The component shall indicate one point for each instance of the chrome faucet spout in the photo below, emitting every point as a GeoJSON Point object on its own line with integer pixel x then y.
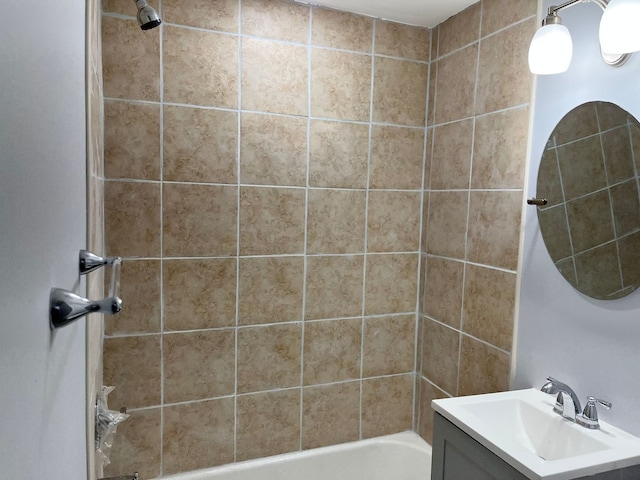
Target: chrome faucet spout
{"type": "Point", "coordinates": [565, 406]}
{"type": "Point", "coordinates": [565, 395]}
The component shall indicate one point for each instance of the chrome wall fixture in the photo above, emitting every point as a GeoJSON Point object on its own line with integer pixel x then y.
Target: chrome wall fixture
{"type": "Point", "coordinates": [537, 201]}
{"type": "Point", "coordinates": [148, 18]}
{"type": "Point", "coordinates": [65, 306]}
{"type": "Point", "coordinates": [552, 48]}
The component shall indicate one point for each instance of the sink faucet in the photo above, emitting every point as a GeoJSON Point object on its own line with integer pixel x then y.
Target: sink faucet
{"type": "Point", "coordinates": [566, 398]}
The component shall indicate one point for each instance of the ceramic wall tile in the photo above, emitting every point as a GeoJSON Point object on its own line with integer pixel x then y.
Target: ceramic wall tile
{"type": "Point", "coordinates": [387, 405]}
{"type": "Point", "coordinates": [268, 424]}
{"type": "Point", "coordinates": [130, 61]}
{"type": "Point", "coordinates": [197, 435]}
{"type": "Point", "coordinates": [330, 414]}
{"type": "Point", "coordinates": [340, 85]}
{"type": "Point", "coordinates": [404, 41]}
{"type": "Point", "coordinates": [342, 30]}
{"type": "Point", "coordinates": [273, 150]}
{"type": "Point", "coordinates": [332, 351]}
{"type": "Point", "coordinates": [220, 15]}
{"type": "Point", "coordinates": [270, 290]}
{"type": "Point", "coordinates": [274, 77]}
{"type": "Point", "coordinates": [200, 145]}
{"type": "Point", "coordinates": [200, 67]}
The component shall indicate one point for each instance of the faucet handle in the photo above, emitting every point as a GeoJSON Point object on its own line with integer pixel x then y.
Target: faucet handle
{"type": "Point", "coordinates": [589, 416]}
{"type": "Point", "coordinates": [604, 403]}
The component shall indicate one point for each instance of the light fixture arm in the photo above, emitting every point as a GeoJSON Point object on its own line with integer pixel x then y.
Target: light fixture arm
{"type": "Point", "coordinates": [554, 9]}
{"type": "Point", "coordinates": [553, 18]}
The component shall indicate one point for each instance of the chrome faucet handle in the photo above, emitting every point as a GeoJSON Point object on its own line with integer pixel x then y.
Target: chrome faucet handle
{"type": "Point", "coordinates": [589, 417]}
{"type": "Point", "coordinates": [66, 306]}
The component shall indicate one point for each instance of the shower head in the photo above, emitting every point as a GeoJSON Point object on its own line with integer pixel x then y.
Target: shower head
{"type": "Point", "coordinates": [148, 18]}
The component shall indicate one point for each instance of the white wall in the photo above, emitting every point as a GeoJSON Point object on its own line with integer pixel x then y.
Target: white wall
{"type": "Point", "coordinates": [593, 345]}
{"type": "Point", "coordinates": [42, 227]}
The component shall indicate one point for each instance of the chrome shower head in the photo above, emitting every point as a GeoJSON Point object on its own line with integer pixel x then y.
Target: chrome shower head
{"type": "Point", "coordinates": [148, 18]}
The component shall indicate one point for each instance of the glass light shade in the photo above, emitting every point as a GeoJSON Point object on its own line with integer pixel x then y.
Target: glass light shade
{"type": "Point", "coordinates": [620, 27]}
{"type": "Point", "coordinates": [551, 50]}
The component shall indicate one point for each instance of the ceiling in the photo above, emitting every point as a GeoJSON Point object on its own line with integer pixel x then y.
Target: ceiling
{"type": "Point", "coordinates": [426, 13]}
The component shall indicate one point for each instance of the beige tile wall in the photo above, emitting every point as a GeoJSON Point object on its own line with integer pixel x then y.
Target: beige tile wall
{"type": "Point", "coordinates": [264, 166]}
{"type": "Point", "coordinates": [478, 119]}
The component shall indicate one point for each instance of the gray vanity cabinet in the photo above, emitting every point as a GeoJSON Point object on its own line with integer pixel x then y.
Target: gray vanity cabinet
{"type": "Point", "coordinates": [457, 456]}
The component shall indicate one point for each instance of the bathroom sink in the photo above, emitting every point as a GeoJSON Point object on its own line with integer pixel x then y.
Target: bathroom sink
{"type": "Point", "coordinates": [521, 428]}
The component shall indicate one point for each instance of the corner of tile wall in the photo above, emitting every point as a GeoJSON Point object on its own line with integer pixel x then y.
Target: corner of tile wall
{"type": "Point", "coordinates": [478, 125]}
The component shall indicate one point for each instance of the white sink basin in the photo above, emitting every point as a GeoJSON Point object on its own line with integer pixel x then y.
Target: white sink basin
{"type": "Point", "coordinates": [522, 429]}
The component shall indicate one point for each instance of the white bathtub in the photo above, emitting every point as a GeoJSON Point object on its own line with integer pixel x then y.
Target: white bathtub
{"type": "Point", "coordinates": [402, 456]}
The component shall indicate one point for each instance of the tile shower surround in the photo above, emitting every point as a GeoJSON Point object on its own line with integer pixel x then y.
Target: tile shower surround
{"type": "Point", "coordinates": [478, 117]}
{"type": "Point", "coordinates": [264, 182]}
{"type": "Point", "coordinates": [464, 340]}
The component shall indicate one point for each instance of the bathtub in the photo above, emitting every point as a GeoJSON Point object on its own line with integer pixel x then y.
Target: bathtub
{"type": "Point", "coordinates": [402, 456]}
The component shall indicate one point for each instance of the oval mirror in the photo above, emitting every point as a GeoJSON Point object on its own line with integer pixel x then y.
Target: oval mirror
{"type": "Point", "coordinates": [591, 223]}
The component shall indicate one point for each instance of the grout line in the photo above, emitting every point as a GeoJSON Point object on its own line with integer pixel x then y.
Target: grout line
{"type": "Point", "coordinates": [580, 198]}
{"type": "Point", "coordinates": [282, 187]}
{"type": "Point", "coordinates": [488, 344]}
{"type": "Point", "coordinates": [306, 229]}
{"type": "Point", "coordinates": [466, 334]}
{"type": "Point", "coordinates": [590, 249]}
{"type": "Point", "coordinates": [430, 130]}
{"type": "Point", "coordinates": [466, 237]}
{"type": "Point", "coordinates": [366, 225]}
{"type": "Point", "coordinates": [277, 40]}
{"type": "Point", "coordinates": [293, 187]}
{"type": "Point", "coordinates": [257, 325]}
{"type": "Point", "coordinates": [475, 264]}
{"type": "Point", "coordinates": [417, 391]}
{"type": "Point", "coordinates": [436, 386]}
{"type": "Point", "coordinates": [238, 206]}
{"type": "Point", "coordinates": [564, 207]}
{"type": "Point", "coordinates": [261, 392]}
{"type": "Point", "coordinates": [478, 190]}
{"type": "Point", "coordinates": [481, 115]}
{"type": "Point", "coordinates": [299, 255]}
{"type": "Point", "coordinates": [480, 37]}
{"type": "Point", "coordinates": [283, 255]}
{"type": "Point", "coordinates": [271, 114]}
{"type": "Point", "coordinates": [593, 135]}
{"type": "Point", "coordinates": [610, 197]}
{"type": "Point", "coordinates": [122, 16]}
{"type": "Point", "coordinates": [162, 306]}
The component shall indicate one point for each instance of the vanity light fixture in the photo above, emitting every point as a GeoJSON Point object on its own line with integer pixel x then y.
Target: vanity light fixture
{"type": "Point", "coordinates": [551, 48]}
{"type": "Point", "coordinates": [619, 32]}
